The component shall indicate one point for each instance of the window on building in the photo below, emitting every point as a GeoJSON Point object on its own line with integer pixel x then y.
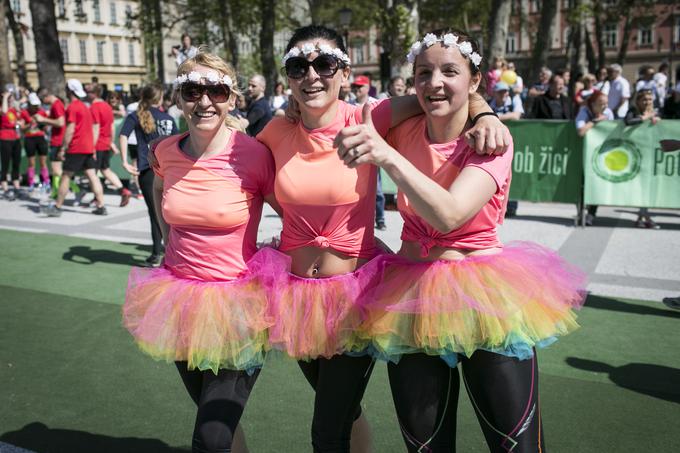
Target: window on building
{"type": "Point", "coordinates": [610, 35]}
{"type": "Point", "coordinates": [63, 43]}
{"type": "Point", "coordinates": [16, 6]}
{"type": "Point", "coordinates": [128, 16]}
{"type": "Point", "coordinates": [116, 53]}
{"type": "Point", "coordinates": [80, 12]}
{"type": "Point", "coordinates": [100, 52]}
{"type": "Point", "coordinates": [82, 44]}
{"type": "Point", "coordinates": [61, 8]}
{"type": "Point", "coordinates": [97, 11]}
{"type": "Point", "coordinates": [510, 43]}
{"type": "Point", "coordinates": [113, 13]}
{"type": "Point", "coordinates": [131, 53]}
{"type": "Point", "coordinates": [357, 46]}
{"type": "Point", "coordinates": [645, 35]}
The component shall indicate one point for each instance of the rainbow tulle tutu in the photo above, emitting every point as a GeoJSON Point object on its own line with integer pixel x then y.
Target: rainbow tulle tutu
{"type": "Point", "coordinates": [211, 325]}
{"type": "Point", "coordinates": [320, 317]}
{"type": "Point", "coordinates": [520, 298]}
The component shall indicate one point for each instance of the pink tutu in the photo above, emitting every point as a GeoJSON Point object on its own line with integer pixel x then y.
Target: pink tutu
{"type": "Point", "coordinates": [211, 325]}
{"type": "Point", "coordinates": [319, 317]}
{"type": "Point", "coordinates": [521, 296]}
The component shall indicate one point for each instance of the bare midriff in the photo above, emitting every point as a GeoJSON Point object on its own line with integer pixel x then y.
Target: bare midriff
{"type": "Point", "coordinates": [313, 262]}
{"type": "Point", "coordinates": [412, 250]}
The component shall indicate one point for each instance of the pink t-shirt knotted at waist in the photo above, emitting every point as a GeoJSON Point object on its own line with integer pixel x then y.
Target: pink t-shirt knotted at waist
{"type": "Point", "coordinates": [325, 204]}
{"type": "Point", "coordinates": [213, 206]}
{"type": "Point", "coordinates": [442, 163]}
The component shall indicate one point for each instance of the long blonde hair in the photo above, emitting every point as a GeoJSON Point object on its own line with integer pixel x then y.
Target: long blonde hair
{"type": "Point", "coordinates": [212, 61]}
{"type": "Point", "coordinates": [150, 95]}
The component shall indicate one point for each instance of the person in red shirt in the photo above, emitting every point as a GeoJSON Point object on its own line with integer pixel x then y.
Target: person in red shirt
{"type": "Point", "coordinates": [56, 119]}
{"type": "Point", "coordinates": [34, 139]}
{"type": "Point", "coordinates": [77, 150]}
{"type": "Point", "coordinates": [10, 145]}
{"type": "Point", "coordinates": [104, 130]}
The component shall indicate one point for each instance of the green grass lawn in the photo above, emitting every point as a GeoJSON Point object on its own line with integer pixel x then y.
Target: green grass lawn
{"type": "Point", "coordinates": [71, 379]}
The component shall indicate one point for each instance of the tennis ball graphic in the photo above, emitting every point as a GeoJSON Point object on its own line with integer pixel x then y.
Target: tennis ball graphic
{"type": "Point", "coordinates": [617, 160]}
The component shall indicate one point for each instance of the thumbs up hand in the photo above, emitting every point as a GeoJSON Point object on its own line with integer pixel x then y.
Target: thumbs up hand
{"type": "Point", "coordinates": [362, 144]}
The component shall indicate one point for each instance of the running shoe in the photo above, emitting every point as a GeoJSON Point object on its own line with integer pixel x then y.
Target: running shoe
{"type": "Point", "coordinates": [101, 210]}
{"type": "Point", "coordinates": [53, 211]}
{"type": "Point", "coordinates": [381, 226]}
{"type": "Point", "coordinates": [125, 195]}
{"type": "Point", "coordinates": [153, 261]}
{"type": "Point", "coordinates": [10, 196]}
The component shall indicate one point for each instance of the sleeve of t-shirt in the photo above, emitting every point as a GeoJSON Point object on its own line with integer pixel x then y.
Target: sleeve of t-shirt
{"type": "Point", "coordinates": [96, 115]}
{"type": "Point", "coordinates": [625, 90]}
{"type": "Point", "coordinates": [498, 167]}
{"type": "Point", "coordinates": [128, 126]}
{"type": "Point", "coordinates": [24, 115]}
{"type": "Point", "coordinates": [582, 117]}
{"type": "Point", "coordinates": [517, 105]}
{"type": "Point", "coordinates": [153, 147]}
{"type": "Point", "coordinates": [265, 170]}
{"type": "Point", "coordinates": [381, 113]}
{"type": "Point", "coordinates": [270, 132]}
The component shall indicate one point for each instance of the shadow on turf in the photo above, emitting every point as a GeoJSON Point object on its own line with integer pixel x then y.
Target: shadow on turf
{"type": "Point", "coordinates": [87, 255]}
{"type": "Point", "coordinates": [42, 439]}
{"type": "Point", "coordinates": [605, 303]}
{"type": "Point", "coordinates": [646, 378]}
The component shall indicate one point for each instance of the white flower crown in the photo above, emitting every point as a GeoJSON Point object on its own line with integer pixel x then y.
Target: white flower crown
{"type": "Point", "coordinates": [210, 76]}
{"type": "Point", "coordinates": [447, 40]}
{"type": "Point", "coordinates": [323, 49]}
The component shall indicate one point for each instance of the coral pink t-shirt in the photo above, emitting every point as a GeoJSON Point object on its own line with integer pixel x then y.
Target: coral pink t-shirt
{"type": "Point", "coordinates": [57, 111]}
{"type": "Point", "coordinates": [325, 204]}
{"type": "Point", "coordinates": [442, 163]}
{"type": "Point", "coordinates": [213, 206]}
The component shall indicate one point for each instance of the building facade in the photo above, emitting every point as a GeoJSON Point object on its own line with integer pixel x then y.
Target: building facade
{"type": "Point", "coordinates": [97, 40]}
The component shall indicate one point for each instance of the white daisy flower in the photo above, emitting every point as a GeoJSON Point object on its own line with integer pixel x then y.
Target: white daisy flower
{"type": "Point", "coordinates": [194, 76]}
{"type": "Point", "coordinates": [450, 39]}
{"type": "Point", "coordinates": [326, 49]}
{"type": "Point", "coordinates": [429, 40]}
{"type": "Point", "coordinates": [476, 58]}
{"type": "Point", "coordinates": [212, 77]}
{"type": "Point", "coordinates": [227, 81]}
{"type": "Point", "coordinates": [308, 48]}
{"type": "Point", "coordinates": [465, 48]}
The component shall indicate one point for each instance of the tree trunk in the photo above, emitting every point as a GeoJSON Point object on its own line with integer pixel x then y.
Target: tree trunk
{"type": "Point", "coordinates": [6, 75]}
{"type": "Point", "coordinates": [158, 33]}
{"type": "Point", "coordinates": [229, 36]}
{"type": "Point", "coordinates": [544, 37]}
{"type": "Point", "coordinates": [48, 57]}
{"type": "Point", "coordinates": [498, 28]}
{"type": "Point", "coordinates": [18, 44]}
{"type": "Point", "coordinates": [625, 39]}
{"type": "Point", "coordinates": [268, 14]}
{"type": "Point", "coordinates": [599, 40]}
{"type": "Point", "coordinates": [590, 54]}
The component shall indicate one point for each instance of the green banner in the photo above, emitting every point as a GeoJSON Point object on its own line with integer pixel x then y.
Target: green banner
{"type": "Point", "coordinates": [624, 165]}
{"type": "Point", "coordinates": [547, 165]}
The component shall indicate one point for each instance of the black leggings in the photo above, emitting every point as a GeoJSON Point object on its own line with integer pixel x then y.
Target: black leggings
{"type": "Point", "coordinates": [339, 383]}
{"type": "Point", "coordinates": [503, 391]}
{"type": "Point", "coordinates": [10, 150]}
{"type": "Point", "coordinates": [221, 400]}
{"type": "Point", "coordinates": [146, 185]}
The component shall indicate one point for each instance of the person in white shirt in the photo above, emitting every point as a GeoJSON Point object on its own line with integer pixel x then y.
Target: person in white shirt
{"type": "Point", "coordinates": [505, 106]}
{"type": "Point", "coordinates": [661, 79]}
{"type": "Point", "coordinates": [185, 51]}
{"type": "Point", "coordinates": [619, 91]}
{"type": "Point", "coordinates": [647, 83]}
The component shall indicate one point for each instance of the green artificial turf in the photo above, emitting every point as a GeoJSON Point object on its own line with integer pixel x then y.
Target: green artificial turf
{"type": "Point", "coordinates": [71, 379]}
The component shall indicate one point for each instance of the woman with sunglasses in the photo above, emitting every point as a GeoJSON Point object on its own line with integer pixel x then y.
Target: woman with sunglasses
{"type": "Point", "coordinates": [328, 213]}
{"type": "Point", "coordinates": [204, 308]}
{"type": "Point", "coordinates": [453, 293]}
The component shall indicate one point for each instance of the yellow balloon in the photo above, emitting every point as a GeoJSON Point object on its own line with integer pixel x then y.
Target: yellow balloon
{"type": "Point", "coordinates": [509, 77]}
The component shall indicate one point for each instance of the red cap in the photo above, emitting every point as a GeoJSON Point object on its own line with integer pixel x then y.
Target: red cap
{"type": "Point", "coordinates": [361, 80]}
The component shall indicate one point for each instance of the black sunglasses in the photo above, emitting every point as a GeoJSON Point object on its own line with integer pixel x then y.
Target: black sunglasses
{"type": "Point", "coordinates": [193, 92]}
{"type": "Point", "coordinates": [324, 65]}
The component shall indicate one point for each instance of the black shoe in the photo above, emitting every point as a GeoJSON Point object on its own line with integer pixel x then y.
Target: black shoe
{"type": "Point", "coordinates": [153, 261]}
{"type": "Point", "coordinates": [101, 210]}
{"type": "Point", "coordinates": [381, 226]}
{"type": "Point", "coordinates": [510, 213]}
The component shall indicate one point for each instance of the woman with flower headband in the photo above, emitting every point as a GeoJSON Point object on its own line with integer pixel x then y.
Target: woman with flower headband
{"type": "Point", "coordinates": [453, 293]}
{"type": "Point", "coordinates": [204, 308]}
{"type": "Point", "coordinates": [328, 213]}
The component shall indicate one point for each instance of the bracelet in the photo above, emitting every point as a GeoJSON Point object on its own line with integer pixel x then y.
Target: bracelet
{"type": "Point", "coordinates": [479, 115]}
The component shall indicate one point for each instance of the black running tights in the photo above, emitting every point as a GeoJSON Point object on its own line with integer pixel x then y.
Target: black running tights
{"type": "Point", "coordinates": [503, 391]}
{"type": "Point", "coordinates": [220, 399]}
{"type": "Point", "coordinates": [339, 383]}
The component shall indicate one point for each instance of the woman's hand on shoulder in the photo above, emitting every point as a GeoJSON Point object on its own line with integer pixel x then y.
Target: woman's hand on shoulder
{"type": "Point", "coordinates": [362, 144]}
{"type": "Point", "coordinates": [489, 136]}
